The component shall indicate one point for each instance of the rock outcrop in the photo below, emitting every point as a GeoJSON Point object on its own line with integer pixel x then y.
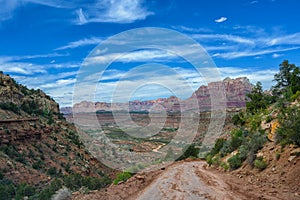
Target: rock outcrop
{"type": "Point", "coordinates": [235, 97]}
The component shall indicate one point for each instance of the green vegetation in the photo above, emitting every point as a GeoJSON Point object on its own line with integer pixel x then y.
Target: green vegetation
{"type": "Point", "coordinates": [190, 152]}
{"type": "Point", "coordinates": [122, 177]}
{"type": "Point", "coordinates": [245, 143]}
{"type": "Point", "coordinates": [260, 163]}
{"type": "Point", "coordinates": [9, 190]}
{"type": "Point", "coordinates": [235, 162]}
{"type": "Point", "coordinates": [289, 126]}
{"type": "Point", "coordinates": [258, 100]}
{"type": "Point", "coordinates": [288, 80]}
{"type": "Point", "coordinates": [248, 138]}
{"type": "Point", "coordinates": [10, 106]}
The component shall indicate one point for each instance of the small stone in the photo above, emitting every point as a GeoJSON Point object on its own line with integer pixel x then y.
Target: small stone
{"type": "Point", "coordinates": [295, 152]}
{"type": "Point", "coordinates": [140, 177]}
{"type": "Point", "coordinates": [291, 158]}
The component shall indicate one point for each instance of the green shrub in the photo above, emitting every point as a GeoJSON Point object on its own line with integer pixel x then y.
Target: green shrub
{"type": "Point", "coordinates": [38, 164]}
{"type": "Point", "coordinates": [260, 163]}
{"type": "Point", "coordinates": [10, 106]}
{"type": "Point", "coordinates": [289, 126]}
{"type": "Point", "coordinates": [235, 162]}
{"type": "Point", "coordinates": [218, 146]}
{"type": "Point", "coordinates": [24, 190]}
{"type": "Point", "coordinates": [224, 166]}
{"type": "Point", "coordinates": [226, 149]}
{"type": "Point", "coordinates": [122, 177]}
{"type": "Point", "coordinates": [236, 138]}
{"type": "Point", "coordinates": [295, 96]}
{"type": "Point", "coordinates": [238, 119]}
{"type": "Point", "coordinates": [216, 160]}
{"type": "Point", "coordinates": [76, 181]}
{"type": "Point", "coordinates": [243, 152]}
{"type": "Point", "coordinates": [255, 143]}
{"type": "Point", "coordinates": [191, 151]}
{"type": "Point", "coordinates": [52, 171]}
{"type": "Point", "coordinates": [208, 159]}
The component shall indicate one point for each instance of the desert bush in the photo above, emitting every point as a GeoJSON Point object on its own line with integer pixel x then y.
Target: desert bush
{"type": "Point", "coordinates": [260, 163]}
{"type": "Point", "coordinates": [289, 126]}
{"type": "Point", "coordinates": [191, 151]}
{"type": "Point", "coordinates": [255, 143]}
{"type": "Point", "coordinates": [208, 159]}
{"type": "Point", "coordinates": [224, 166]}
{"type": "Point", "coordinates": [10, 106]}
{"type": "Point", "coordinates": [235, 162]}
{"type": "Point", "coordinates": [238, 119]}
{"type": "Point", "coordinates": [38, 164]}
{"type": "Point", "coordinates": [122, 177]}
{"type": "Point", "coordinates": [52, 171]}
{"type": "Point", "coordinates": [218, 146]}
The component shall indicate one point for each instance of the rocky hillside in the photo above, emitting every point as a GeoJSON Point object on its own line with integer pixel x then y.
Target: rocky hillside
{"type": "Point", "coordinates": [39, 150]}
{"type": "Point", "coordinates": [235, 89]}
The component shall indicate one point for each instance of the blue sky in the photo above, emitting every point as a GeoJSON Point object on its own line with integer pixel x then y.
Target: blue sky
{"type": "Point", "coordinates": [44, 42]}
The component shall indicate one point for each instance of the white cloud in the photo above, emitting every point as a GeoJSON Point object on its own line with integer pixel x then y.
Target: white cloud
{"type": "Point", "coordinates": [265, 76]}
{"type": "Point", "coordinates": [81, 19]}
{"type": "Point", "coordinates": [7, 8]}
{"type": "Point", "coordinates": [22, 68]}
{"type": "Point", "coordinates": [253, 52]}
{"type": "Point", "coordinates": [113, 11]}
{"type": "Point", "coordinates": [223, 37]}
{"type": "Point", "coordinates": [59, 83]}
{"type": "Point", "coordinates": [136, 56]}
{"type": "Point", "coordinates": [27, 57]}
{"type": "Point", "coordinates": [284, 40]}
{"type": "Point", "coordinates": [190, 29]}
{"type": "Point", "coordinates": [80, 43]}
{"type": "Point", "coordinates": [51, 3]}
{"type": "Point", "coordinates": [253, 2]}
{"type": "Point", "coordinates": [220, 20]}
{"type": "Point", "coordinates": [276, 55]}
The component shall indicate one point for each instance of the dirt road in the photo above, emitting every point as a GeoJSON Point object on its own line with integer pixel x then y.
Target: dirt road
{"type": "Point", "coordinates": [182, 181]}
{"type": "Point", "coordinates": [191, 181]}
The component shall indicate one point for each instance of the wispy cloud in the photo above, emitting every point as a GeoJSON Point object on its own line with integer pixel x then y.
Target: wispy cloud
{"type": "Point", "coordinates": [192, 29]}
{"type": "Point", "coordinates": [136, 56]}
{"type": "Point", "coordinates": [253, 52]}
{"type": "Point", "coordinates": [254, 2]}
{"type": "Point", "coordinates": [284, 40]}
{"type": "Point", "coordinates": [220, 20]}
{"type": "Point", "coordinates": [223, 37]}
{"type": "Point", "coordinates": [22, 68]}
{"type": "Point", "coordinates": [59, 83]}
{"type": "Point", "coordinates": [247, 41]}
{"type": "Point", "coordinates": [27, 57]}
{"type": "Point", "coordinates": [80, 43]}
{"type": "Point", "coordinates": [113, 11]}
{"type": "Point", "coordinates": [8, 8]}
{"type": "Point", "coordinates": [110, 11]}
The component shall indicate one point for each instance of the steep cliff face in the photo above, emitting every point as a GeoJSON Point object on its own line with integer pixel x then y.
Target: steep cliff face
{"type": "Point", "coordinates": [235, 92]}
{"type": "Point", "coordinates": [235, 97]}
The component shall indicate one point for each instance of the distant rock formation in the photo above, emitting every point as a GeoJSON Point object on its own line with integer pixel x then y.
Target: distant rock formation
{"type": "Point", "coordinates": [235, 97]}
